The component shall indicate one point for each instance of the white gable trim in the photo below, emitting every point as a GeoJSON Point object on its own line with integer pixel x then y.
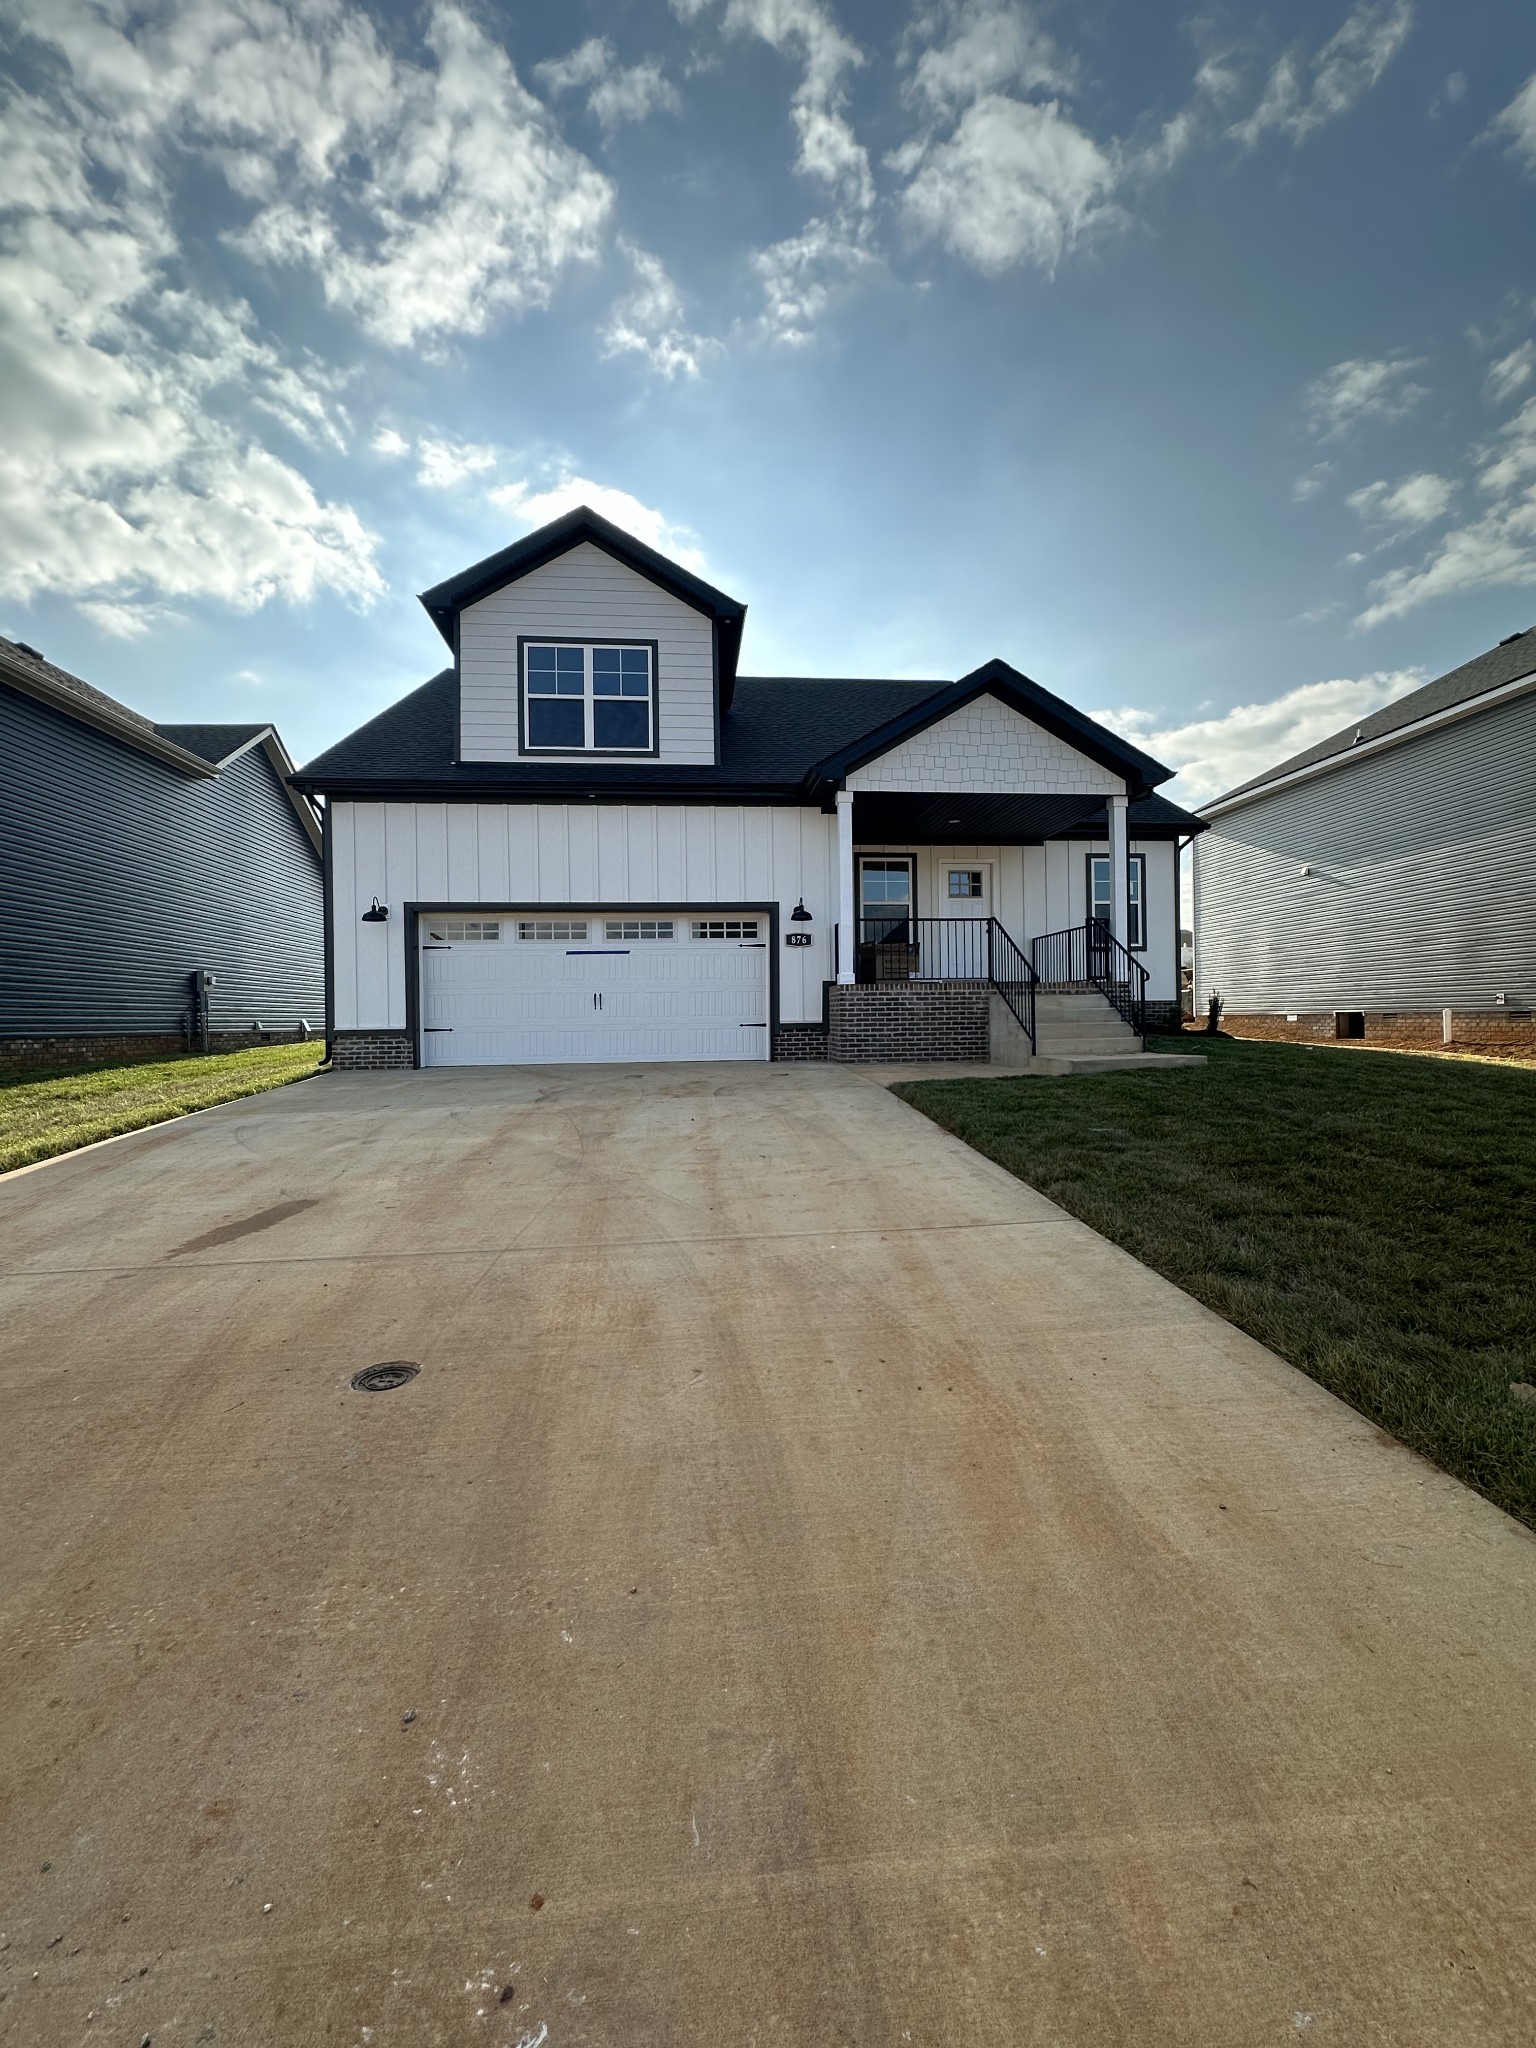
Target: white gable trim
{"type": "Point", "coordinates": [985, 747]}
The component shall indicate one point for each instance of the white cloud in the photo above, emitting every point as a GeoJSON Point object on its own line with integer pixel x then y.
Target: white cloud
{"type": "Point", "coordinates": [829, 151]}
{"type": "Point", "coordinates": [444, 465]}
{"type": "Point", "coordinates": [1017, 182]}
{"type": "Point", "coordinates": [618, 93]}
{"type": "Point", "coordinates": [801, 275]}
{"type": "Point", "coordinates": [424, 198]}
{"type": "Point", "coordinates": [1413, 502]}
{"type": "Point", "coordinates": [1517, 123]}
{"type": "Point", "coordinates": [129, 466]}
{"type": "Point", "coordinates": [1302, 93]}
{"type": "Point", "coordinates": [389, 442]}
{"type": "Point", "coordinates": [1497, 548]}
{"type": "Point", "coordinates": [1511, 373]}
{"type": "Point", "coordinates": [648, 321]}
{"type": "Point", "coordinates": [535, 505]}
{"type": "Point", "coordinates": [1308, 485]}
{"type": "Point", "coordinates": [1213, 755]}
{"type": "Point", "coordinates": [1361, 389]}
{"type": "Point", "coordinates": [990, 43]}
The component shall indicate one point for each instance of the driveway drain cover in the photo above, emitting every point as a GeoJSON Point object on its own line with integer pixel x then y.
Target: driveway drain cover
{"type": "Point", "coordinates": [381, 1379]}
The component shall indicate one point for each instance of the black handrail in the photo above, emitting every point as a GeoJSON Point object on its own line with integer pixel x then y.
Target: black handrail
{"type": "Point", "coordinates": [895, 947]}
{"type": "Point", "coordinates": [1090, 956]}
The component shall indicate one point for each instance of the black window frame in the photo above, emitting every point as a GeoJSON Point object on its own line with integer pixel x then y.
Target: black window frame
{"type": "Point", "coordinates": [586, 753]}
{"type": "Point", "coordinates": [1139, 907]}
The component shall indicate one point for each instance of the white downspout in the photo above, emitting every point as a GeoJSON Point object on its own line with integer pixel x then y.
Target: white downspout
{"type": "Point", "coordinates": [847, 937]}
{"type": "Point", "coordinates": [1119, 870]}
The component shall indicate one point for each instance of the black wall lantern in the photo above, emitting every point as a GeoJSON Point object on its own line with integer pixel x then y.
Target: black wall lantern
{"type": "Point", "coordinates": [379, 914]}
{"type": "Point", "coordinates": [800, 915]}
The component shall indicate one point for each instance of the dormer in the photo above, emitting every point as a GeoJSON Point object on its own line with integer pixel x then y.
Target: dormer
{"type": "Point", "coordinates": [582, 644]}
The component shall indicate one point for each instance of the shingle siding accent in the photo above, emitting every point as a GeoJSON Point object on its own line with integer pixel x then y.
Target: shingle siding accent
{"type": "Point", "coordinates": [356, 1051]}
{"type": "Point", "coordinates": [913, 1021]}
{"type": "Point", "coordinates": [986, 748]}
{"type": "Point", "coordinates": [585, 595]}
{"type": "Point", "coordinates": [123, 874]}
{"type": "Point", "coordinates": [1422, 892]}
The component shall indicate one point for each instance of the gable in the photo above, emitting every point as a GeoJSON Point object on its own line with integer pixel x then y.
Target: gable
{"type": "Point", "coordinates": [986, 747]}
{"type": "Point", "coordinates": [585, 594]}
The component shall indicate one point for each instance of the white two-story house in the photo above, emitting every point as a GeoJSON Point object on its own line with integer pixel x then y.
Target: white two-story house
{"type": "Point", "coordinates": [590, 839]}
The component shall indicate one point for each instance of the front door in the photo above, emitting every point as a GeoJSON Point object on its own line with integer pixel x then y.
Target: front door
{"type": "Point", "coordinates": [965, 889]}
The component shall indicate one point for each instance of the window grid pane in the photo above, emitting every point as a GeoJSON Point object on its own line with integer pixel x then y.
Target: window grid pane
{"type": "Point", "coordinates": [621, 719]}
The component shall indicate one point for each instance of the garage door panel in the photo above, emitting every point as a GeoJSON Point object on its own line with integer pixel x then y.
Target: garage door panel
{"type": "Point", "coordinates": [502, 998]}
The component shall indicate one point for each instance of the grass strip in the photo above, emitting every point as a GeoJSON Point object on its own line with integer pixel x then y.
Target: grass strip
{"type": "Point", "coordinates": [42, 1115]}
{"type": "Point", "coordinates": [1370, 1218]}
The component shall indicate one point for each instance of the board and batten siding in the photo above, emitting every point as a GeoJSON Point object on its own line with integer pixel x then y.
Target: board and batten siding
{"type": "Point", "coordinates": [986, 747]}
{"type": "Point", "coordinates": [1422, 893]}
{"type": "Point", "coordinates": [516, 856]}
{"type": "Point", "coordinates": [585, 594]}
{"type": "Point", "coordinates": [123, 875]}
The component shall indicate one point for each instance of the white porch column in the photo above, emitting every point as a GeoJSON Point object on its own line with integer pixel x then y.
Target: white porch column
{"type": "Point", "coordinates": [1119, 871]}
{"type": "Point", "coordinates": [847, 937]}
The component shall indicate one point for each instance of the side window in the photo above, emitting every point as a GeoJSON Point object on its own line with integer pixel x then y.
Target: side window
{"type": "Point", "coordinates": [588, 697]}
{"type": "Point", "coordinates": [1098, 895]}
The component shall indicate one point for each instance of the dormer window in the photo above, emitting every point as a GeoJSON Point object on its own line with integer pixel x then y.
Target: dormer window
{"type": "Point", "coordinates": [589, 697]}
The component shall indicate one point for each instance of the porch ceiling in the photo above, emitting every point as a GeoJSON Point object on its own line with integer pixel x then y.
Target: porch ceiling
{"type": "Point", "coordinates": [936, 820]}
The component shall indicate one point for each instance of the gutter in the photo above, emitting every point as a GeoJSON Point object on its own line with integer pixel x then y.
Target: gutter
{"type": "Point", "coordinates": [1452, 715]}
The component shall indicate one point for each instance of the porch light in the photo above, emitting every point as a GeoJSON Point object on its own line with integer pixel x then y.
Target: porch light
{"type": "Point", "coordinates": [379, 914]}
{"type": "Point", "coordinates": [800, 915]}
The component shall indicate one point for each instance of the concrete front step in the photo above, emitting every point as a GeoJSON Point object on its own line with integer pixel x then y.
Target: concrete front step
{"type": "Point", "coordinates": [1096, 1031]}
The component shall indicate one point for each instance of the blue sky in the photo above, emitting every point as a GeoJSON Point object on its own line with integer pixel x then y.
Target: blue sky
{"type": "Point", "coordinates": [1186, 361]}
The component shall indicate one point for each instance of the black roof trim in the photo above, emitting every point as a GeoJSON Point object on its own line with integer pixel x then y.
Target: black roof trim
{"type": "Point", "coordinates": [997, 678]}
{"type": "Point", "coordinates": [444, 600]}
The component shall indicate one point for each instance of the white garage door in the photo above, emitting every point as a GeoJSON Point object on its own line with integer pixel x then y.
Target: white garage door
{"type": "Point", "coordinates": [523, 989]}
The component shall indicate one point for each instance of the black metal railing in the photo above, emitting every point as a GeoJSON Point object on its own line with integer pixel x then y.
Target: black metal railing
{"type": "Point", "coordinates": [895, 947]}
{"type": "Point", "coordinates": [1090, 956]}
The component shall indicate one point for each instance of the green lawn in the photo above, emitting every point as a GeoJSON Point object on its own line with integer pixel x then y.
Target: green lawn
{"type": "Point", "coordinates": [41, 1116]}
{"type": "Point", "coordinates": [1369, 1216]}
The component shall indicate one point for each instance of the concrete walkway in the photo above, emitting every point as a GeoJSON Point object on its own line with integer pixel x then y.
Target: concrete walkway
{"type": "Point", "coordinates": [814, 1592]}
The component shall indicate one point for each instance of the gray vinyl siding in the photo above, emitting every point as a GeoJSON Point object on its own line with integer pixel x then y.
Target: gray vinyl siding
{"type": "Point", "coordinates": [1423, 890]}
{"type": "Point", "coordinates": [121, 875]}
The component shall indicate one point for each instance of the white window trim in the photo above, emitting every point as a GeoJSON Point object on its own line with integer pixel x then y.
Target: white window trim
{"type": "Point", "coordinates": [1137, 905]}
{"type": "Point", "coordinates": [587, 750]}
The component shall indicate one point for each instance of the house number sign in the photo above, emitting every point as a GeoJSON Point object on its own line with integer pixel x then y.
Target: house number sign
{"type": "Point", "coordinates": [797, 938]}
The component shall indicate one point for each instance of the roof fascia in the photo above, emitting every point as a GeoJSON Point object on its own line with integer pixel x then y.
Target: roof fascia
{"type": "Point", "coordinates": [427, 789]}
{"type": "Point", "coordinates": [1452, 714]}
{"type": "Point", "coordinates": [1020, 694]}
{"type": "Point", "coordinates": [282, 763]}
{"type": "Point", "coordinates": [446, 599]}
{"type": "Point", "coordinates": [22, 675]}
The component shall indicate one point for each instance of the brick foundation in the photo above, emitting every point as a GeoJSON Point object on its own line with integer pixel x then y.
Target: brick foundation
{"type": "Point", "coordinates": [800, 1042]}
{"type": "Point", "coordinates": [360, 1051]}
{"type": "Point", "coordinates": [908, 1021]}
{"type": "Point", "coordinates": [1471, 1030]}
{"type": "Point", "coordinates": [1164, 1017]}
{"type": "Point", "coordinates": [48, 1055]}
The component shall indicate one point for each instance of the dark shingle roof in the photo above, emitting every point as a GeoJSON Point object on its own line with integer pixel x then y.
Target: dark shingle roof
{"type": "Point", "coordinates": [776, 730]}
{"type": "Point", "coordinates": [1511, 660]}
{"type": "Point", "coordinates": [213, 743]}
{"type": "Point", "coordinates": [85, 694]}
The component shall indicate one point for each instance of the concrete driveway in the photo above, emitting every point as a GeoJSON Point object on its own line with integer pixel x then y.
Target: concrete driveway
{"type": "Point", "coordinates": [814, 1592]}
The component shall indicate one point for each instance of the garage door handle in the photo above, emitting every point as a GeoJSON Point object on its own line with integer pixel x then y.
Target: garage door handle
{"type": "Point", "coordinates": [437, 1027]}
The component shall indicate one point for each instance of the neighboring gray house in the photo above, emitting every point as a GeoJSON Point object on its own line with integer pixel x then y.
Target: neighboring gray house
{"type": "Point", "coordinates": [589, 839]}
{"type": "Point", "coordinates": [137, 859]}
{"type": "Point", "coordinates": [1384, 878]}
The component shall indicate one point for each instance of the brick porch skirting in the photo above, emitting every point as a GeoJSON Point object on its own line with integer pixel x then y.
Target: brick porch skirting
{"type": "Point", "coordinates": [800, 1042]}
{"type": "Point", "coordinates": [355, 1051]}
{"type": "Point", "coordinates": [939, 1020]}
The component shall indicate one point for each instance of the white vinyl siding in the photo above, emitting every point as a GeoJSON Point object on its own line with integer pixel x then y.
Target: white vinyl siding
{"type": "Point", "coordinates": [987, 748]}
{"type": "Point", "coordinates": [1422, 893]}
{"type": "Point", "coordinates": [599, 855]}
{"type": "Point", "coordinates": [585, 595]}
